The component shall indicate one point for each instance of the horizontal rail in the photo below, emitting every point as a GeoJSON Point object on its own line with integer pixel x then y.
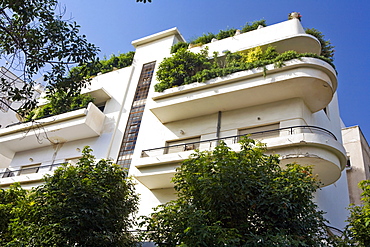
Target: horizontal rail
{"type": "Point", "coordinates": [30, 170]}
{"type": "Point", "coordinates": [234, 139]}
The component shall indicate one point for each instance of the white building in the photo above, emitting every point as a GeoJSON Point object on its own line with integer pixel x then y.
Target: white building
{"type": "Point", "coordinates": [294, 109]}
{"type": "Point", "coordinates": [358, 165]}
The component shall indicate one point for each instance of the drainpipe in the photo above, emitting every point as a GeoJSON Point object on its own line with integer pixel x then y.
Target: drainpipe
{"type": "Point", "coordinates": [218, 127]}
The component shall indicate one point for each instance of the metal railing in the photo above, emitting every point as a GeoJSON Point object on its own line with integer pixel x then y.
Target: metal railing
{"type": "Point", "coordinates": [30, 170]}
{"type": "Point", "coordinates": [209, 144]}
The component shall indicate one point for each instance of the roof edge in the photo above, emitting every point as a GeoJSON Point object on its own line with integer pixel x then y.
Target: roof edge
{"type": "Point", "coordinates": [160, 35]}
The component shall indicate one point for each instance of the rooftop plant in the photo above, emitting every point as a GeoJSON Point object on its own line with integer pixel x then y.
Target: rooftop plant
{"type": "Point", "coordinates": [178, 69]}
{"type": "Point", "coordinates": [59, 103]}
{"type": "Point", "coordinates": [327, 50]}
{"type": "Point", "coordinates": [186, 67]}
{"type": "Point", "coordinates": [222, 34]}
{"type": "Point", "coordinates": [62, 101]}
{"type": "Point", "coordinates": [105, 65]}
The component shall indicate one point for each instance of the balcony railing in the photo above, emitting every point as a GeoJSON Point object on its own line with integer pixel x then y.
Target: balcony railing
{"type": "Point", "coordinates": [31, 170]}
{"type": "Point", "coordinates": [209, 144]}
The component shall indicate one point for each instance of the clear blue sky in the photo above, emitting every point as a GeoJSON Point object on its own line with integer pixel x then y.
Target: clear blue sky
{"type": "Point", "coordinates": [113, 24]}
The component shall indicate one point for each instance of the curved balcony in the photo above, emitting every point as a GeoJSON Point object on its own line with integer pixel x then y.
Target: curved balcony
{"type": "Point", "coordinates": [285, 36]}
{"type": "Point", "coordinates": [310, 79]}
{"type": "Point", "coordinates": [70, 126]}
{"type": "Point", "coordinates": [305, 145]}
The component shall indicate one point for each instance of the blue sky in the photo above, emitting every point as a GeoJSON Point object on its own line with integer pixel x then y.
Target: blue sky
{"type": "Point", "coordinates": [113, 24]}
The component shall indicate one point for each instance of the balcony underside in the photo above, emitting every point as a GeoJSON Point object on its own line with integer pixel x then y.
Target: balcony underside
{"type": "Point", "coordinates": [322, 152]}
{"type": "Point", "coordinates": [310, 79]}
{"type": "Point", "coordinates": [70, 126]}
{"type": "Point", "coordinates": [157, 180]}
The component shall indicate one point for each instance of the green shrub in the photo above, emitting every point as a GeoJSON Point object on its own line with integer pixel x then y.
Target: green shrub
{"type": "Point", "coordinates": [253, 26]}
{"type": "Point", "coordinates": [327, 50]}
{"type": "Point", "coordinates": [178, 46]}
{"type": "Point", "coordinates": [222, 34]}
{"type": "Point", "coordinates": [204, 39]}
{"type": "Point", "coordinates": [183, 64]}
{"type": "Point", "coordinates": [270, 53]}
{"type": "Point", "coordinates": [226, 33]}
{"type": "Point", "coordinates": [185, 67]}
{"type": "Point", "coordinates": [59, 103]}
{"type": "Point", "coordinates": [105, 65]}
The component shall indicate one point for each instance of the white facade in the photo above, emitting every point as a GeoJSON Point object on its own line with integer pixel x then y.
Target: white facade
{"type": "Point", "coordinates": [358, 166]}
{"type": "Point", "coordinates": [295, 107]}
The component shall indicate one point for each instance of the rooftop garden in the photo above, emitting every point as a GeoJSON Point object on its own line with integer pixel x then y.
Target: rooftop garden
{"type": "Point", "coordinates": [64, 101]}
{"type": "Point", "coordinates": [185, 67]}
{"type": "Point", "coordinates": [105, 65]}
{"type": "Point", "coordinates": [222, 34]}
{"type": "Point", "coordinates": [59, 103]}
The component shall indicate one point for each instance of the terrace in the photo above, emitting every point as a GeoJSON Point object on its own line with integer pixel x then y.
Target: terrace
{"type": "Point", "coordinates": [75, 125]}
{"type": "Point", "coordinates": [306, 145]}
{"type": "Point", "coordinates": [26, 174]}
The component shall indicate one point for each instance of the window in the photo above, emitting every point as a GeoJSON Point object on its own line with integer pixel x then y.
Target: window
{"type": "Point", "coordinates": [29, 169]}
{"type": "Point", "coordinates": [182, 145]}
{"type": "Point", "coordinates": [348, 165]}
{"type": "Point", "coordinates": [101, 107]}
{"type": "Point", "coordinates": [262, 132]}
{"type": "Point", "coordinates": [136, 113]}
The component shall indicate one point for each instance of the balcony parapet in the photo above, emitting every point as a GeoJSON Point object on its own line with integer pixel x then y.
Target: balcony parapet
{"type": "Point", "coordinates": [305, 145]}
{"type": "Point", "coordinates": [212, 143]}
{"type": "Point", "coordinates": [285, 36]}
{"type": "Point", "coordinates": [70, 126]}
{"type": "Point", "coordinates": [310, 79]}
{"type": "Point", "coordinates": [26, 175]}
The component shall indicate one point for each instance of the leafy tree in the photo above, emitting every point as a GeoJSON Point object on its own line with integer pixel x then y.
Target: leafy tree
{"type": "Point", "coordinates": [358, 228]}
{"type": "Point", "coordinates": [178, 46]}
{"type": "Point", "coordinates": [33, 39]}
{"type": "Point", "coordinates": [228, 198]}
{"type": "Point", "coordinates": [9, 199]}
{"type": "Point", "coordinates": [84, 205]}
